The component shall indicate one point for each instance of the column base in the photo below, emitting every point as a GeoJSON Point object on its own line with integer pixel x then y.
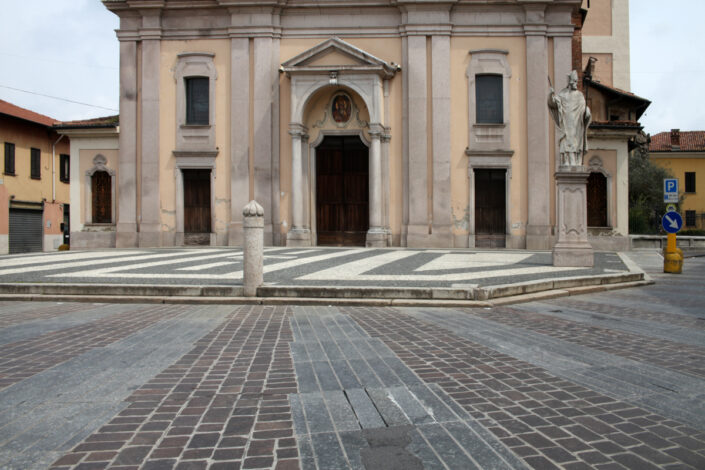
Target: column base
{"type": "Point", "coordinates": [126, 235]}
{"type": "Point", "coordinates": [298, 237]}
{"type": "Point", "coordinates": [236, 236]}
{"type": "Point", "coordinates": [538, 237]}
{"type": "Point", "coordinates": [377, 238]}
{"type": "Point", "coordinates": [417, 236]}
{"type": "Point", "coordinates": [149, 239]}
{"type": "Point", "coordinates": [578, 255]}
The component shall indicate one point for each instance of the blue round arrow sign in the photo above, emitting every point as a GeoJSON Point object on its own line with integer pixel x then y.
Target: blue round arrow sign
{"type": "Point", "coordinates": [672, 222]}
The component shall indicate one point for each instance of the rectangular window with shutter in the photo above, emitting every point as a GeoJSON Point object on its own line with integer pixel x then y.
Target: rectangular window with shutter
{"type": "Point", "coordinates": [690, 218]}
{"type": "Point", "coordinates": [64, 162]}
{"type": "Point", "coordinates": [36, 164]}
{"type": "Point", "coordinates": [689, 181]}
{"type": "Point", "coordinates": [9, 158]}
{"type": "Point", "coordinates": [488, 96]}
{"type": "Point", "coordinates": [197, 100]}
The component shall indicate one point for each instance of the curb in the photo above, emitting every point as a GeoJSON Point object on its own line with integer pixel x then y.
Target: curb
{"type": "Point", "coordinates": [316, 295]}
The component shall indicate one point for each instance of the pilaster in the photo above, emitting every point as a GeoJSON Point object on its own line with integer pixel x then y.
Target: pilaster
{"type": "Point", "coordinates": [126, 227]}
{"type": "Point", "coordinates": [150, 217]}
{"type": "Point", "coordinates": [440, 118]}
{"type": "Point", "coordinates": [262, 128]}
{"type": "Point", "coordinates": [418, 225]}
{"type": "Point", "coordinates": [538, 230]}
{"type": "Point", "coordinates": [239, 135]}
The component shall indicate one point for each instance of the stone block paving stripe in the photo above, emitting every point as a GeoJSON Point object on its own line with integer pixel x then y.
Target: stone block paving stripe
{"type": "Point", "coordinates": [661, 390]}
{"type": "Point", "coordinates": [359, 402]}
{"type": "Point", "coordinates": [648, 312]}
{"type": "Point", "coordinates": [59, 316]}
{"type": "Point", "coordinates": [585, 315]}
{"type": "Point", "coordinates": [222, 405]}
{"type": "Point", "coordinates": [49, 413]}
{"type": "Point", "coordinates": [14, 313]}
{"type": "Point", "coordinates": [669, 354]}
{"type": "Point", "coordinates": [548, 421]}
{"type": "Point", "coordinates": [28, 357]}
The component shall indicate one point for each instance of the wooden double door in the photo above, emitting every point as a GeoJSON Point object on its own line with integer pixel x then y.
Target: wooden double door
{"type": "Point", "coordinates": [197, 206]}
{"type": "Point", "coordinates": [490, 208]}
{"type": "Point", "coordinates": [342, 191]}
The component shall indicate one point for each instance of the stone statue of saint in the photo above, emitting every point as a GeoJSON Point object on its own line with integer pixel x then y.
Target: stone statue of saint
{"type": "Point", "coordinates": [572, 117]}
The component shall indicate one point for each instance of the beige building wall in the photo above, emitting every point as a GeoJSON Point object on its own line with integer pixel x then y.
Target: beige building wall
{"type": "Point", "coordinates": [606, 37]}
{"type": "Point", "coordinates": [518, 186]}
{"type": "Point", "coordinates": [87, 147]}
{"type": "Point", "coordinates": [678, 164]}
{"type": "Point", "coordinates": [242, 51]}
{"type": "Point", "coordinates": [168, 122]}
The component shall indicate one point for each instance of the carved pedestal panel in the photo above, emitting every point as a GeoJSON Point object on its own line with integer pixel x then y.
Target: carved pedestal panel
{"type": "Point", "coordinates": [572, 247]}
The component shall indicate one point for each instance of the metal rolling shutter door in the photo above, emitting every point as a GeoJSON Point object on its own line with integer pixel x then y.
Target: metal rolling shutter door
{"type": "Point", "coordinates": [25, 230]}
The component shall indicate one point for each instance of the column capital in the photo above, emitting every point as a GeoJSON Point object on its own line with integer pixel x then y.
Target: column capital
{"type": "Point", "coordinates": [297, 130]}
{"type": "Point", "coordinates": [376, 130]}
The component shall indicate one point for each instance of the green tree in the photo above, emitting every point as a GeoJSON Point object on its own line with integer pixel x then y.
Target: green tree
{"type": "Point", "coordinates": [646, 205]}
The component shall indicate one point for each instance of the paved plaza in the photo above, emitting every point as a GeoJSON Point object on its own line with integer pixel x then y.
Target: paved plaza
{"type": "Point", "coordinates": [608, 380]}
{"type": "Point", "coordinates": [388, 276]}
{"type": "Point", "coordinates": [296, 266]}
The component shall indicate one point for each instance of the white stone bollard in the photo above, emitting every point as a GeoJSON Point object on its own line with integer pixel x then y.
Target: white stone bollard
{"type": "Point", "coordinates": [253, 248]}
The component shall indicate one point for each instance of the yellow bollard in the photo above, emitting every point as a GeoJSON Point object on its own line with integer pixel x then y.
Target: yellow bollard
{"type": "Point", "coordinates": [672, 256]}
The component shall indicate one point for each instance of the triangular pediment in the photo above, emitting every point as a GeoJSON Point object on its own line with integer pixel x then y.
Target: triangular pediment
{"type": "Point", "coordinates": [335, 54]}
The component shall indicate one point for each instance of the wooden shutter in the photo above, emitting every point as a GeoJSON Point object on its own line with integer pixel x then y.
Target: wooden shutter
{"type": "Point", "coordinates": [9, 158]}
{"type": "Point", "coordinates": [36, 163]}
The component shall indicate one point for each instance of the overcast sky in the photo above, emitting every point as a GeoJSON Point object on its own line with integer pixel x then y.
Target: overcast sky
{"type": "Point", "coordinates": [67, 49]}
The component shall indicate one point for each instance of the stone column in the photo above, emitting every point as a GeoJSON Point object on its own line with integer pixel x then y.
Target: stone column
{"type": "Point", "coordinates": [299, 234]}
{"type": "Point", "coordinates": [253, 248]}
{"type": "Point", "coordinates": [239, 135]}
{"type": "Point", "coordinates": [126, 228]}
{"type": "Point", "coordinates": [376, 236]}
{"type": "Point", "coordinates": [538, 230]}
{"type": "Point", "coordinates": [572, 247]}
{"type": "Point", "coordinates": [150, 216]}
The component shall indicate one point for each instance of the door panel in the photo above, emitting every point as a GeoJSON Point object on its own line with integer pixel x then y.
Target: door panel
{"type": "Point", "coordinates": [342, 191]}
{"type": "Point", "coordinates": [101, 191]}
{"type": "Point", "coordinates": [597, 200]}
{"type": "Point", "coordinates": [490, 208]}
{"type": "Point", "coordinates": [197, 201]}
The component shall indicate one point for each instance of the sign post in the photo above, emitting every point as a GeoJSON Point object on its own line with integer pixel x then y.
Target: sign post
{"type": "Point", "coordinates": [672, 255]}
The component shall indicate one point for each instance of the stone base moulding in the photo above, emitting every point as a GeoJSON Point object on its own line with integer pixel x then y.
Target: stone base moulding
{"type": "Point", "coordinates": [298, 237]}
{"type": "Point", "coordinates": [572, 248]}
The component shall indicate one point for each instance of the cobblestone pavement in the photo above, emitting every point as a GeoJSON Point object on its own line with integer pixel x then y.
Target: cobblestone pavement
{"type": "Point", "coordinates": [319, 266]}
{"type": "Point", "coordinates": [608, 381]}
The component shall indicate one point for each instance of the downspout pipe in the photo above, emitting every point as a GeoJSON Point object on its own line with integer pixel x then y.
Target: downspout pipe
{"type": "Point", "coordinates": [53, 168]}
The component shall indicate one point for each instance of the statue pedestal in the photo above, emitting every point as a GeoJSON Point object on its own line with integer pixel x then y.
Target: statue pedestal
{"type": "Point", "coordinates": [572, 247]}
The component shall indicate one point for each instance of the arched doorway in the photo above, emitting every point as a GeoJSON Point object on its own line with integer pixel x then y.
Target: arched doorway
{"type": "Point", "coordinates": [342, 191]}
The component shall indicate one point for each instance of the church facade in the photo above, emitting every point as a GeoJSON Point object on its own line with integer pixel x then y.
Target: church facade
{"type": "Point", "coordinates": [383, 123]}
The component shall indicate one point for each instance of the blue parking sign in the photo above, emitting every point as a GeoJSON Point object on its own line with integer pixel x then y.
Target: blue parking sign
{"type": "Point", "coordinates": [670, 190]}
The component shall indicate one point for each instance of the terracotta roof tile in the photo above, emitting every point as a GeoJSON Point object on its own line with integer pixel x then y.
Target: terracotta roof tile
{"type": "Point", "coordinates": [21, 113]}
{"type": "Point", "coordinates": [106, 121]}
{"type": "Point", "coordinates": [690, 141]}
